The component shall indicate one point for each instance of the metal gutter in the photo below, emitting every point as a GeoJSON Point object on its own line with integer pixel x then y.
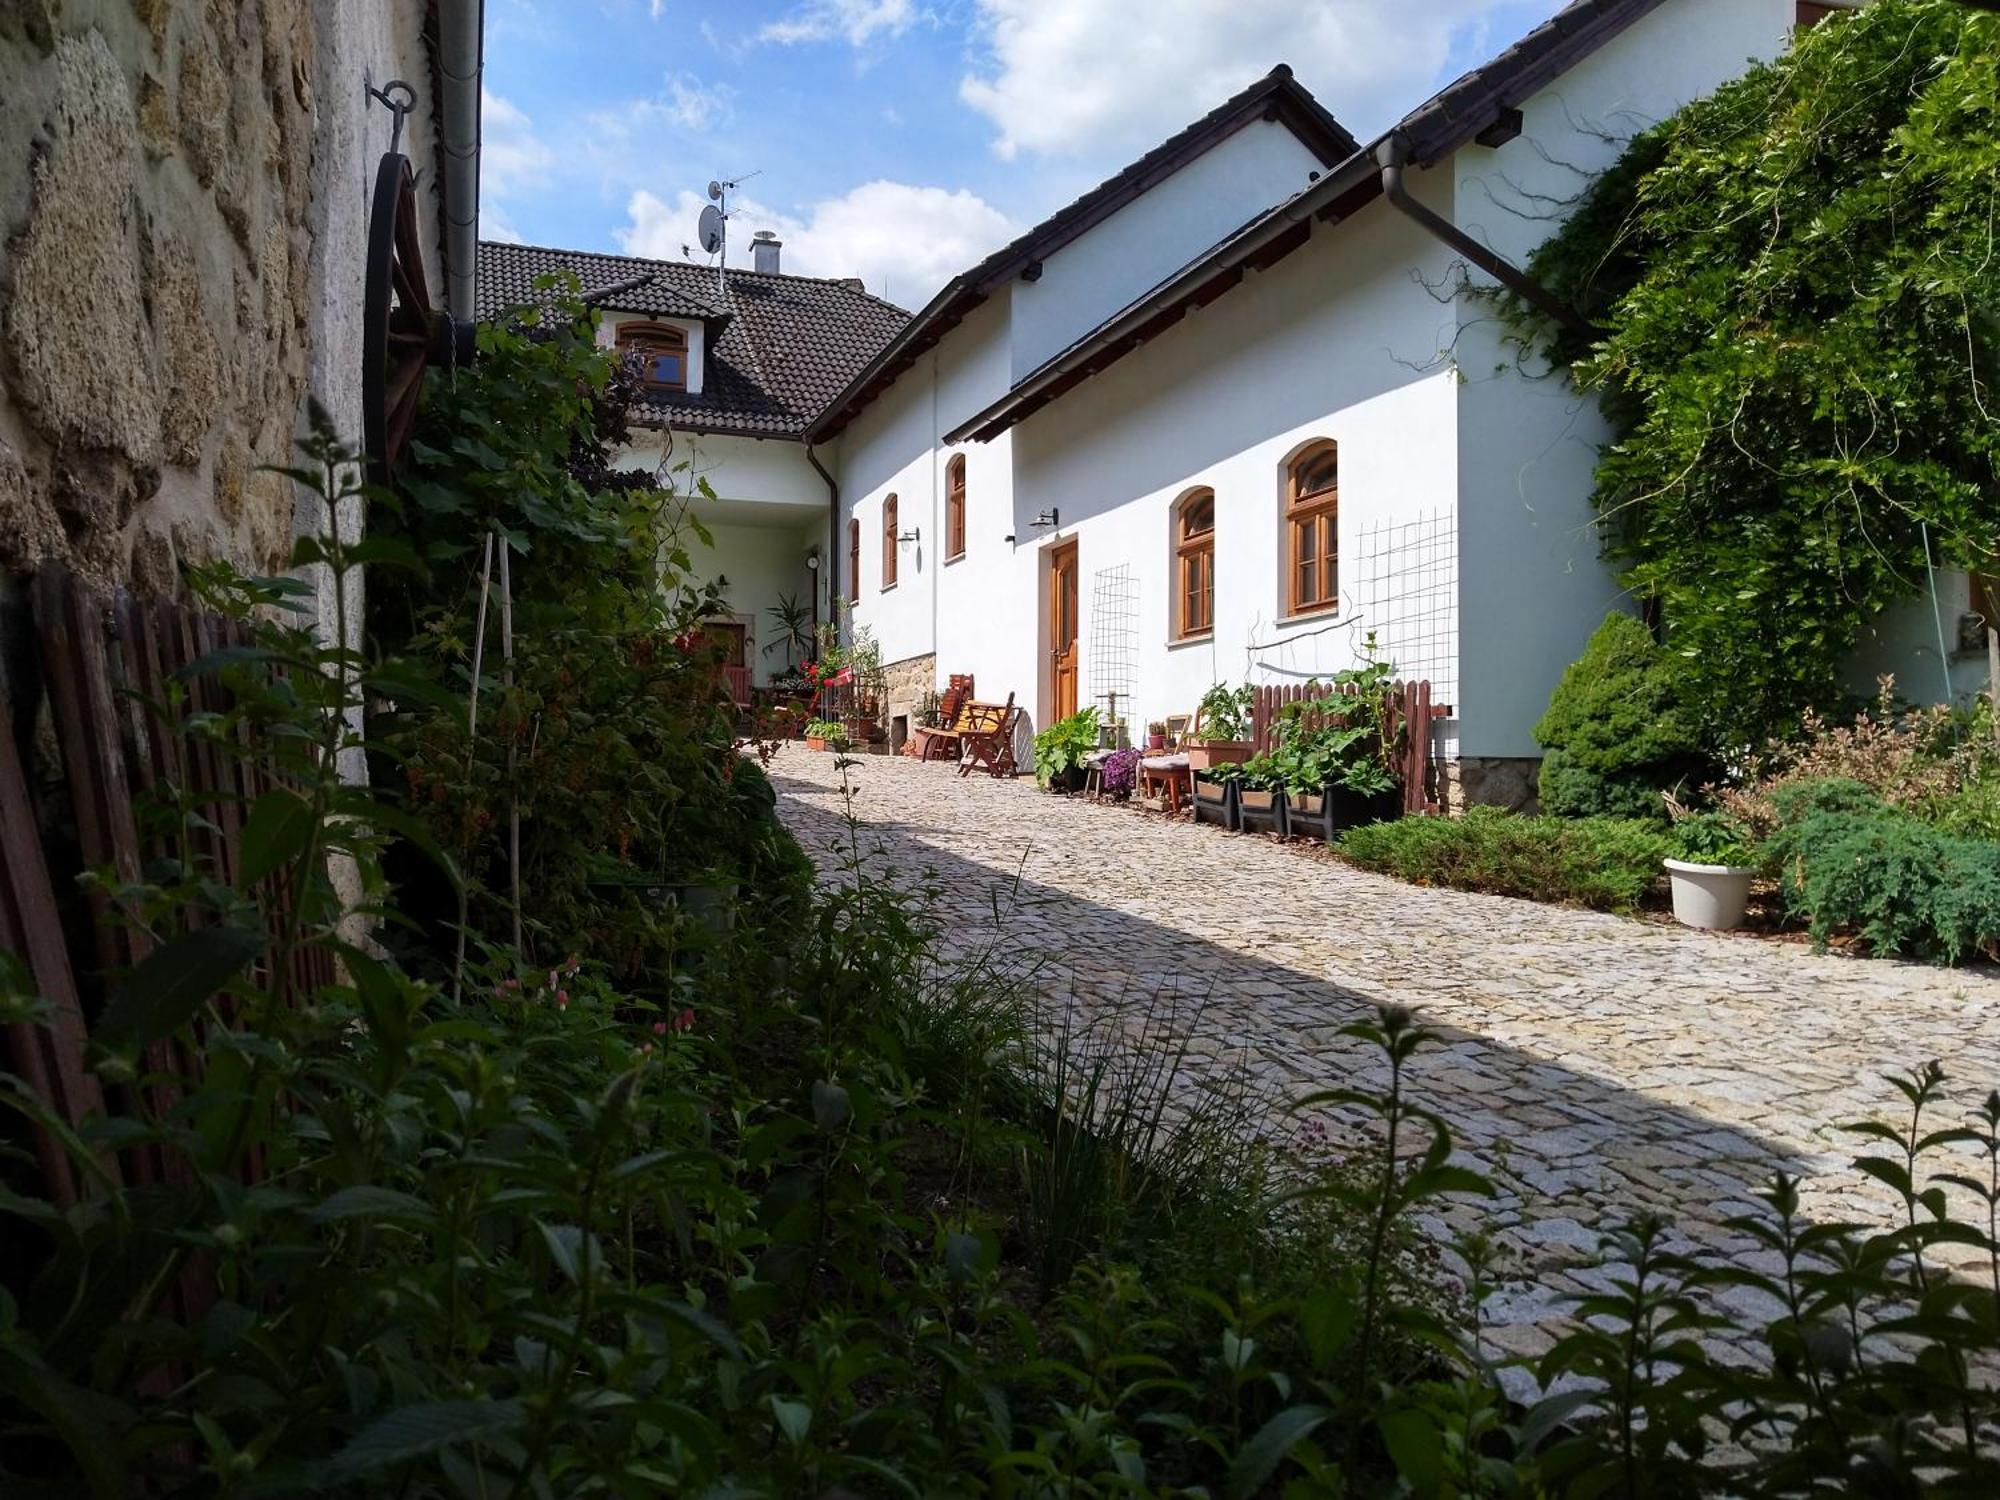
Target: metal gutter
{"type": "Point", "coordinates": [833, 538]}
{"type": "Point", "coordinates": [1393, 153]}
{"type": "Point", "coordinates": [461, 53]}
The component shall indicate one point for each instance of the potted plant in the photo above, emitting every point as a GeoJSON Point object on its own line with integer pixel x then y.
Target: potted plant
{"type": "Point", "coordinates": [1224, 721]}
{"type": "Point", "coordinates": [1712, 872]}
{"type": "Point", "coordinates": [1337, 757]}
{"type": "Point", "coordinates": [1156, 735]}
{"type": "Point", "coordinates": [1214, 797]}
{"type": "Point", "coordinates": [824, 733]}
{"type": "Point", "coordinates": [1060, 749]}
{"type": "Point", "coordinates": [1260, 795]}
{"type": "Point", "coordinates": [1121, 774]}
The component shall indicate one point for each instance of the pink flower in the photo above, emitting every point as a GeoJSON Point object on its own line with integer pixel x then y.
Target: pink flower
{"type": "Point", "coordinates": [562, 998]}
{"type": "Point", "coordinates": [552, 979]}
{"type": "Point", "coordinates": [573, 965]}
{"type": "Point", "coordinates": [510, 984]}
{"type": "Point", "coordinates": [647, 1050]}
{"type": "Point", "coordinates": [659, 1028]}
{"type": "Point", "coordinates": [685, 1020]}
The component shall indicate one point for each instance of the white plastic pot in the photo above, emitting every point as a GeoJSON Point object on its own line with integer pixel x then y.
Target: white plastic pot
{"type": "Point", "coordinates": [1711, 896]}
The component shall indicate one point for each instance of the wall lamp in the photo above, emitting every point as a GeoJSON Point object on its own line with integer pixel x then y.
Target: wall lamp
{"type": "Point", "coordinates": [914, 534]}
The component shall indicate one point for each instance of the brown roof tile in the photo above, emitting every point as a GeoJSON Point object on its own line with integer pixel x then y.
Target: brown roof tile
{"type": "Point", "coordinates": [780, 347]}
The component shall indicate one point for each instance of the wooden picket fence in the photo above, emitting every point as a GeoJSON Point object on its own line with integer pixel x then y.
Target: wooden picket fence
{"type": "Point", "coordinates": [1410, 718]}
{"type": "Point", "coordinates": [103, 658]}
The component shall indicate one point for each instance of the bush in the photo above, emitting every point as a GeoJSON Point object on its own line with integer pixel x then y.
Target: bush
{"type": "Point", "coordinates": [1605, 863]}
{"type": "Point", "coordinates": [1852, 864]}
{"type": "Point", "coordinates": [1061, 747]}
{"type": "Point", "coordinates": [1618, 729]}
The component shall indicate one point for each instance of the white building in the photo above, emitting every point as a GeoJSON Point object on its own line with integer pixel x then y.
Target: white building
{"type": "Point", "coordinates": [1238, 408]}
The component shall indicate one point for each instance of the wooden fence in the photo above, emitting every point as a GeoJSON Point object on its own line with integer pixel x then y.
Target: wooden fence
{"type": "Point", "coordinates": [104, 658]}
{"type": "Point", "coordinates": [1411, 715]}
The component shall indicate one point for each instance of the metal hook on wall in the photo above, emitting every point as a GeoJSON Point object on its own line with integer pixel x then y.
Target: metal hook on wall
{"type": "Point", "coordinates": [399, 99]}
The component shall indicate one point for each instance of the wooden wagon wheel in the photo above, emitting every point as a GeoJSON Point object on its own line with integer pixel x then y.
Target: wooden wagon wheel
{"type": "Point", "coordinates": [400, 331]}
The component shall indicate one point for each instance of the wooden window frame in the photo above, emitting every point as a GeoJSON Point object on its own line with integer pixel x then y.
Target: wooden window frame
{"type": "Point", "coordinates": [1318, 512]}
{"type": "Point", "coordinates": [954, 508]}
{"type": "Point", "coordinates": [854, 560]}
{"type": "Point", "coordinates": [888, 543]}
{"type": "Point", "coordinates": [633, 337]}
{"type": "Point", "coordinates": [1194, 552]}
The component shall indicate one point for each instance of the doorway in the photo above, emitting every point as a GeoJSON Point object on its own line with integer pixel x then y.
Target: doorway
{"type": "Point", "coordinates": [1062, 630]}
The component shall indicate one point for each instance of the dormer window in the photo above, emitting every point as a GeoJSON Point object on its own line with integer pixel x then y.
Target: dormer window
{"type": "Point", "coordinates": [664, 350]}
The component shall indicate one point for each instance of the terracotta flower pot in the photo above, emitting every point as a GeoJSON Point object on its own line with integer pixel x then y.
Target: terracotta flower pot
{"type": "Point", "coordinates": [815, 742]}
{"type": "Point", "coordinates": [1206, 755]}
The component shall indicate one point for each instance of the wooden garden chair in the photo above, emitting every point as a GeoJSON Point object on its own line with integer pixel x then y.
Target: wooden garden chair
{"type": "Point", "coordinates": [990, 744]}
{"type": "Point", "coordinates": [944, 740]}
{"type": "Point", "coordinates": [1164, 775]}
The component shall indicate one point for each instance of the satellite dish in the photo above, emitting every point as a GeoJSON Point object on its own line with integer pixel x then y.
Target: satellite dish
{"type": "Point", "coordinates": [715, 192]}
{"type": "Point", "coordinates": [710, 229]}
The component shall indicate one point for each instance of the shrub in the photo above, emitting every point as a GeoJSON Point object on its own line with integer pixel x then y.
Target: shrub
{"type": "Point", "coordinates": [1712, 838]}
{"type": "Point", "coordinates": [1618, 728]}
{"type": "Point", "coordinates": [1606, 863]}
{"type": "Point", "coordinates": [1852, 864]}
{"type": "Point", "coordinates": [1061, 747]}
{"type": "Point", "coordinates": [1927, 761]}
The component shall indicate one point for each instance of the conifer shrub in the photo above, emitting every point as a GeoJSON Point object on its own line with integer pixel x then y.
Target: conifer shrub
{"type": "Point", "coordinates": [1851, 864]}
{"type": "Point", "coordinates": [1605, 863]}
{"type": "Point", "coordinates": [1619, 730]}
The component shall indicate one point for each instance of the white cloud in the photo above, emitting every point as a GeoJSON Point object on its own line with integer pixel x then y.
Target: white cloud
{"type": "Point", "coordinates": [495, 225]}
{"type": "Point", "coordinates": [855, 21]}
{"type": "Point", "coordinates": [1081, 77]}
{"type": "Point", "coordinates": [903, 241]}
{"type": "Point", "coordinates": [512, 157]}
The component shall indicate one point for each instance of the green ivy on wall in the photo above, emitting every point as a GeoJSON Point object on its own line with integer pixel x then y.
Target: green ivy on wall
{"type": "Point", "coordinates": [1797, 287]}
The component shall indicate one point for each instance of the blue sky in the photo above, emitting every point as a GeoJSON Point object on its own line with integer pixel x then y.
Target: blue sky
{"type": "Point", "coordinates": [899, 140]}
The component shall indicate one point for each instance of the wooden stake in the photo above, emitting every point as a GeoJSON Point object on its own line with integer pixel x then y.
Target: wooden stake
{"type": "Point", "coordinates": [513, 797]}
{"type": "Point", "coordinates": [471, 744]}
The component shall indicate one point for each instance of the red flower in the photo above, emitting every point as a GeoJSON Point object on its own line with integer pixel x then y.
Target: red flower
{"type": "Point", "coordinates": [685, 1020]}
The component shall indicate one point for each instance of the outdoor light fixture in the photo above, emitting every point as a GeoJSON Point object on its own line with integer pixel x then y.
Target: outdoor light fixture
{"type": "Point", "coordinates": [1046, 518]}
{"type": "Point", "coordinates": [812, 562]}
{"type": "Point", "coordinates": [912, 535]}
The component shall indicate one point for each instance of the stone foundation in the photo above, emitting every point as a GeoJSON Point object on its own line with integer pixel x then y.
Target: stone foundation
{"type": "Point", "coordinates": [1507, 781]}
{"type": "Point", "coordinates": [905, 685]}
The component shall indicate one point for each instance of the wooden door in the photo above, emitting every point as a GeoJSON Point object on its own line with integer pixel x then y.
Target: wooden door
{"type": "Point", "coordinates": [733, 636]}
{"type": "Point", "coordinates": [1062, 631]}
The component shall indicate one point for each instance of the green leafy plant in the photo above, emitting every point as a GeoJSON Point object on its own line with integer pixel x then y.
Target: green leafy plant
{"type": "Point", "coordinates": [1225, 712]}
{"type": "Point", "coordinates": [1620, 728]}
{"type": "Point", "coordinates": [1851, 864]}
{"type": "Point", "coordinates": [792, 623]}
{"type": "Point", "coordinates": [1713, 838]}
{"type": "Point", "coordinates": [1060, 749]}
{"type": "Point", "coordinates": [1770, 271]}
{"type": "Point", "coordinates": [1607, 863]}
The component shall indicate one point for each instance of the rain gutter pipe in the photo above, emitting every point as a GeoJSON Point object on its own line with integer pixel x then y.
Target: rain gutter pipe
{"type": "Point", "coordinates": [1393, 154]}
{"type": "Point", "coordinates": [461, 32]}
{"type": "Point", "coordinates": [833, 549]}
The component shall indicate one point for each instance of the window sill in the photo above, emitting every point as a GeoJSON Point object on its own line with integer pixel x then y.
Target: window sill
{"type": "Point", "coordinates": [887, 588]}
{"type": "Point", "coordinates": [1303, 616]}
{"type": "Point", "coordinates": [956, 557]}
{"type": "Point", "coordinates": [1200, 638]}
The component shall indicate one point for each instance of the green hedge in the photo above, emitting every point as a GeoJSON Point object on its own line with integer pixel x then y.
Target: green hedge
{"type": "Point", "coordinates": [1850, 864]}
{"type": "Point", "coordinates": [1618, 729]}
{"type": "Point", "coordinates": [1605, 863]}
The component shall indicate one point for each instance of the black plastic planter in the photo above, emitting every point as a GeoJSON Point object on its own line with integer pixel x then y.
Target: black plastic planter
{"type": "Point", "coordinates": [1324, 815]}
{"type": "Point", "coordinates": [1259, 811]}
{"type": "Point", "coordinates": [1215, 800]}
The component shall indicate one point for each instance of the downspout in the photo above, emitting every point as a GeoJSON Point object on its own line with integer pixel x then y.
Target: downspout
{"type": "Point", "coordinates": [833, 538]}
{"type": "Point", "coordinates": [1393, 154]}
{"type": "Point", "coordinates": [461, 29]}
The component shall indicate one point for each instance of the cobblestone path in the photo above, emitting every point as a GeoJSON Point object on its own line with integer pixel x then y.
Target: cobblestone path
{"type": "Point", "coordinates": [1594, 1065]}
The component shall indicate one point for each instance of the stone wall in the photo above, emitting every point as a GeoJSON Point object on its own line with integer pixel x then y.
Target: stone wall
{"type": "Point", "coordinates": [907, 681]}
{"type": "Point", "coordinates": [182, 220]}
{"type": "Point", "coordinates": [1492, 781]}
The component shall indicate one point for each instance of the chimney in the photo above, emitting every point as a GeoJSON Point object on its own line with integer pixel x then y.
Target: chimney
{"type": "Point", "coordinates": [764, 248]}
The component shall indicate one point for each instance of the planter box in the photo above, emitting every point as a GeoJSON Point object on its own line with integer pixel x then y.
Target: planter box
{"type": "Point", "coordinates": [1206, 755]}
{"type": "Point", "coordinates": [1259, 811]}
{"type": "Point", "coordinates": [1711, 896]}
{"type": "Point", "coordinates": [1215, 802]}
{"type": "Point", "coordinates": [1067, 783]}
{"type": "Point", "coordinates": [1325, 814]}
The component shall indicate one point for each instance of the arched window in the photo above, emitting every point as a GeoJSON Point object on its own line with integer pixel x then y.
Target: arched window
{"type": "Point", "coordinates": [1312, 516]}
{"type": "Point", "coordinates": [854, 561]}
{"type": "Point", "coordinates": [664, 349]}
{"type": "Point", "coordinates": [889, 543]}
{"type": "Point", "coordinates": [1194, 565]}
{"type": "Point", "coordinates": [954, 508]}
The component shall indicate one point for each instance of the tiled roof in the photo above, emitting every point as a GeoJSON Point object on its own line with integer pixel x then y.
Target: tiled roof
{"type": "Point", "coordinates": [1458, 113]}
{"type": "Point", "coordinates": [1275, 96]}
{"type": "Point", "coordinates": [780, 347]}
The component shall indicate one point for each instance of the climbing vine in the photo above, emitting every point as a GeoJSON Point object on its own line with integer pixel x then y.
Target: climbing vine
{"type": "Point", "coordinates": [1796, 283]}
